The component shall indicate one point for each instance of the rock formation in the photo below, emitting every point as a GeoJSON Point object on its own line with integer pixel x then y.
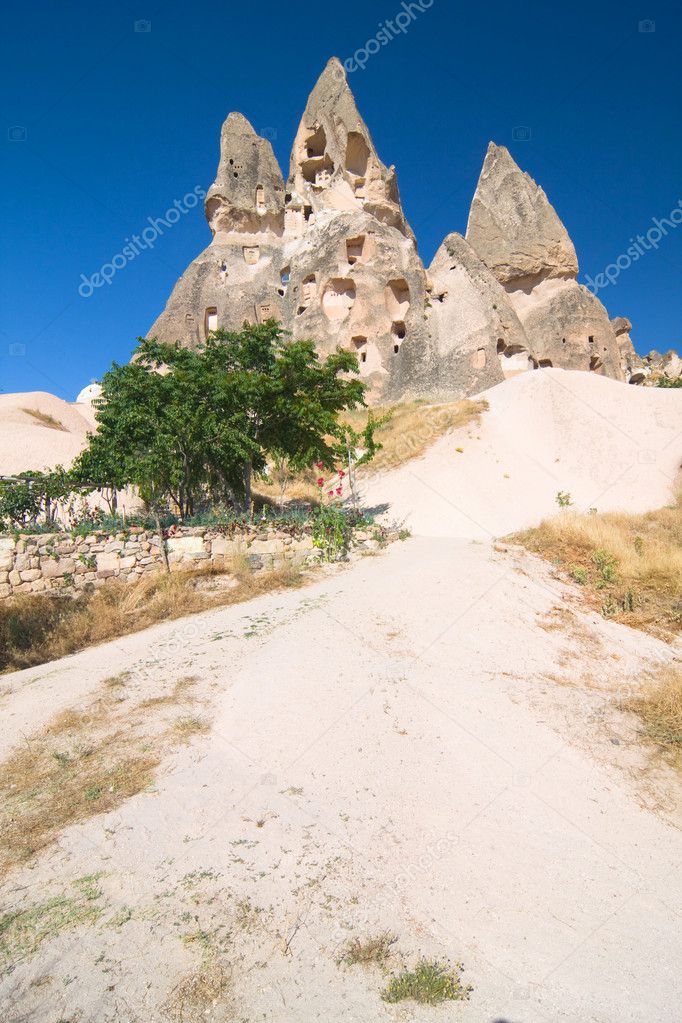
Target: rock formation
{"type": "Point", "coordinates": [518, 235]}
{"type": "Point", "coordinates": [332, 257]}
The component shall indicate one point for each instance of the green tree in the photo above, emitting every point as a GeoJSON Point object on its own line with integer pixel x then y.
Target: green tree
{"type": "Point", "coordinates": [183, 424]}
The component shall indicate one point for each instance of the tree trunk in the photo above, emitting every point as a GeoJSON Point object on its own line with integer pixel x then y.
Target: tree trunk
{"type": "Point", "coordinates": [247, 488]}
{"type": "Point", "coordinates": [162, 543]}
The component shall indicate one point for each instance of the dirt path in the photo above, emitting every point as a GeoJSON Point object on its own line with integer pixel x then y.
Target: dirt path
{"type": "Point", "coordinates": [390, 749]}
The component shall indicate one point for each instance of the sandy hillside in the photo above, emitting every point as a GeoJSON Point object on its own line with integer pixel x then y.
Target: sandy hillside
{"type": "Point", "coordinates": [426, 743]}
{"type": "Point", "coordinates": [609, 446]}
{"type": "Point", "coordinates": [39, 431]}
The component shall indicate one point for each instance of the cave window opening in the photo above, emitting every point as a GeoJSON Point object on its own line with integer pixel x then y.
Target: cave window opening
{"type": "Point", "coordinates": [211, 320]}
{"type": "Point", "coordinates": [360, 345]}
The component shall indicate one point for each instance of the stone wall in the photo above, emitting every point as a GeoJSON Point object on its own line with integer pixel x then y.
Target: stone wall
{"type": "Point", "coordinates": [61, 562]}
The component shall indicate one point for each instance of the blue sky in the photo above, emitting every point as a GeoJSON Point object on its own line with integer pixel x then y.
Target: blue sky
{"type": "Point", "coordinates": [105, 126]}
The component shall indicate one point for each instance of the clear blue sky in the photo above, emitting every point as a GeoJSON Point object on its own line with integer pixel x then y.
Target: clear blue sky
{"type": "Point", "coordinates": [120, 123]}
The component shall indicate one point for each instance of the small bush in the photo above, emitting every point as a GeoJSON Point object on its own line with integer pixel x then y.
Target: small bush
{"type": "Point", "coordinates": [429, 983]}
{"type": "Point", "coordinates": [563, 499]}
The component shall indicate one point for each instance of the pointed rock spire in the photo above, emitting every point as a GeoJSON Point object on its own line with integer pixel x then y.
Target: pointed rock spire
{"type": "Point", "coordinates": [334, 164]}
{"type": "Point", "coordinates": [247, 195]}
{"type": "Point", "coordinates": [514, 228]}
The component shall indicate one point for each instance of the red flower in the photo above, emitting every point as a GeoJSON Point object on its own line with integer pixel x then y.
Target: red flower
{"type": "Point", "coordinates": [341, 474]}
{"type": "Point", "coordinates": [331, 493]}
{"type": "Point", "coordinates": [320, 483]}
{"type": "Point", "coordinates": [339, 491]}
{"type": "Point", "coordinates": [320, 465]}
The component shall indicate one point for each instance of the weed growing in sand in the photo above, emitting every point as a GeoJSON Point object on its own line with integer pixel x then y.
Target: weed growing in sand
{"type": "Point", "coordinates": [563, 499]}
{"type": "Point", "coordinates": [374, 951]}
{"type": "Point", "coordinates": [23, 931]}
{"type": "Point", "coordinates": [429, 983]}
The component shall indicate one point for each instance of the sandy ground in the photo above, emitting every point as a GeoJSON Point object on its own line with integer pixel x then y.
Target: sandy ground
{"type": "Point", "coordinates": [610, 447]}
{"type": "Point", "coordinates": [26, 443]}
{"type": "Point", "coordinates": [426, 742]}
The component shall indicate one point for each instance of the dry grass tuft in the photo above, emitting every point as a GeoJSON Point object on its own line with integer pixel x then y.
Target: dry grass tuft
{"type": "Point", "coordinates": [40, 628]}
{"type": "Point", "coordinates": [629, 566]}
{"type": "Point", "coordinates": [86, 762]}
{"type": "Point", "coordinates": [374, 951]}
{"type": "Point", "coordinates": [660, 710]}
{"type": "Point", "coordinates": [45, 419]}
{"type": "Point", "coordinates": [197, 995]}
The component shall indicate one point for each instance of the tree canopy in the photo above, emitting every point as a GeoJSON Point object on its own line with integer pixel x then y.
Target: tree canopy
{"type": "Point", "coordinates": [182, 424]}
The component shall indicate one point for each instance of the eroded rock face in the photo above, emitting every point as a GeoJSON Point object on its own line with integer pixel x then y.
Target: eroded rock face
{"type": "Point", "coordinates": [334, 165]}
{"type": "Point", "coordinates": [247, 195]}
{"type": "Point", "coordinates": [514, 228]}
{"type": "Point", "coordinates": [519, 236]}
{"type": "Point", "coordinates": [356, 283]}
{"type": "Point", "coordinates": [237, 278]}
{"type": "Point", "coordinates": [332, 257]}
{"type": "Point", "coordinates": [568, 328]}
{"type": "Point", "coordinates": [477, 340]}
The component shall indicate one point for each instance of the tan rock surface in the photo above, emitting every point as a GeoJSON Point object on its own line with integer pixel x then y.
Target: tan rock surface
{"type": "Point", "coordinates": [513, 227]}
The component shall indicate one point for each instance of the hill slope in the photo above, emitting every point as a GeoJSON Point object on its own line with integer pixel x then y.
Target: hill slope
{"type": "Point", "coordinates": [609, 446]}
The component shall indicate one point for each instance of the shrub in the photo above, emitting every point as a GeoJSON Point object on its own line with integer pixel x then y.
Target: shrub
{"type": "Point", "coordinates": [429, 983]}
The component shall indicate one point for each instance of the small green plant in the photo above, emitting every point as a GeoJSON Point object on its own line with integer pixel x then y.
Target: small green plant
{"type": "Point", "coordinates": [89, 560]}
{"type": "Point", "coordinates": [332, 532]}
{"type": "Point", "coordinates": [404, 534]}
{"type": "Point", "coordinates": [563, 499]}
{"type": "Point", "coordinates": [580, 575]}
{"type": "Point", "coordinates": [429, 983]}
{"type": "Point", "coordinates": [606, 565]}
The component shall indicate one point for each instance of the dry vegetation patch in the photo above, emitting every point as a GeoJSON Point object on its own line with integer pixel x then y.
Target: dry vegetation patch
{"type": "Point", "coordinates": [86, 762]}
{"type": "Point", "coordinates": [414, 427]}
{"type": "Point", "coordinates": [40, 628]}
{"type": "Point", "coordinates": [198, 994]}
{"type": "Point", "coordinates": [372, 951]}
{"type": "Point", "coordinates": [629, 566]}
{"type": "Point", "coordinates": [659, 707]}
